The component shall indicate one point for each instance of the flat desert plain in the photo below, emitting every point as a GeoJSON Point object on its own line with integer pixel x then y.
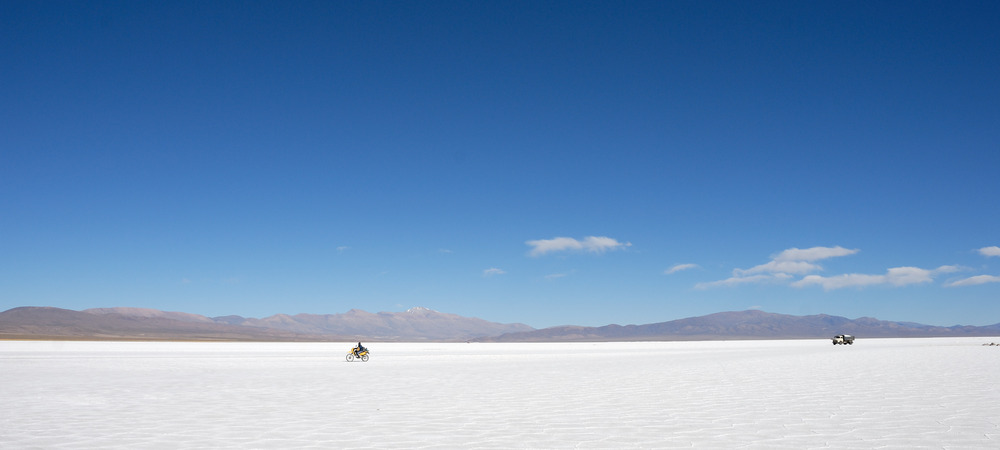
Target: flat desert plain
{"type": "Point", "coordinates": [794, 394]}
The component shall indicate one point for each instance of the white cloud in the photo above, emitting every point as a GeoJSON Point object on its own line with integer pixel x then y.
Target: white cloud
{"type": "Point", "coordinates": [990, 251]}
{"type": "Point", "coordinates": [679, 267]}
{"type": "Point", "coordinates": [797, 261]}
{"type": "Point", "coordinates": [554, 276]}
{"type": "Point", "coordinates": [840, 281]}
{"type": "Point", "coordinates": [493, 271]}
{"type": "Point", "coordinates": [543, 246]}
{"type": "Point", "coordinates": [740, 280]}
{"type": "Point", "coordinates": [342, 248]}
{"type": "Point", "coordinates": [593, 244]}
{"type": "Point", "coordinates": [972, 281]}
{"type": "Point", "coordinates": [949, 269]}
{"type": "Point", "coordinates": [904, 276]}
{"type": "Point", "coordinates": [814, 253]}
{"type": "Point", "coordinates": [896, 276]}
{"type": "Point", "coordinates": [796, 267]}
{"type": "Point", "coordinates": [793, 261]}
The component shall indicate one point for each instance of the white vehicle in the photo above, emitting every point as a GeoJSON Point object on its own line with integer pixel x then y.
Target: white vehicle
{"type": "Point", "coordinates": [843, 339]}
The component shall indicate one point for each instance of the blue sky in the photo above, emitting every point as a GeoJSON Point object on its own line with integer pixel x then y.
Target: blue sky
{"type": "Point", "coordinates": [540, 162]}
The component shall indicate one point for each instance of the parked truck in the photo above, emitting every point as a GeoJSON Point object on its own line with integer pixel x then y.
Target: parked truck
{"type": "Point", "coordinates": [843, 339]}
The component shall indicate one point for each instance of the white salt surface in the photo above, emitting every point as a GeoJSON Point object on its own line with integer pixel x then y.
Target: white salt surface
{"type": "Point", "coordinates": [878, 393]}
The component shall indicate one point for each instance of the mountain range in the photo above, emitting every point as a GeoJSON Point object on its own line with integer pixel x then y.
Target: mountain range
{"type": "Point", "coordinates": [415, 324]}
{"type": "Point", "coordinates": [751, 324]}
{"type": "Point", "coordinates": [422, 324]}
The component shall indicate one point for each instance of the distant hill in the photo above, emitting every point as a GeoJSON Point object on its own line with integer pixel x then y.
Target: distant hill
{"type": "Point", "coordinates": [417, 324]}
{"type": "Point", "coordinates": [130, 324]}
{"type": "Point", "coordinates": [422, 324]}
{"type": "Point", "coordinates": [414, 324]}
{"type": "Point", "coordinates": [751, 324]}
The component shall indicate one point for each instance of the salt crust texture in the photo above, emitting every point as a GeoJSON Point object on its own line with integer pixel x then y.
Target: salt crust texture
{"type": "Point", "coordinates": [805, 394]}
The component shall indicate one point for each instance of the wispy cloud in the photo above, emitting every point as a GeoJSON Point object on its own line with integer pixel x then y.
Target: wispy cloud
{"type": "Point", "coordinates": [782, 267]}
{"type": "Point", "coordinates": [493, 271]}
{"type": "Point", "coordinates": [741, 280]}
{"type": "Point", "coordinates": [896, 276]}
{"type": "Point", "coordinates": [592, 244]}
{"type": "Point", "coordinates": [990, 251]}
{"type": "Point", "coordinates": [679, 267]}
{"type": "Point", "coordinates": [342, 249]}
{"type": "Point", "coordinates": [792, 267]}
{"type": "Point", "coordinates": [814, 253]}
{"type": "Point", "coordinates": [979, 279]}
{"type": "Point", "coordinates": [972, 281]}
{"type": "Point", "coordinates": [797, 261]}
{"type": "Point", "coordinates": [553, 276]}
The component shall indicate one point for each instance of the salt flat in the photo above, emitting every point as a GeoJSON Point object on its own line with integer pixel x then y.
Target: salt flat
{"type": "Point", "coordinates": [803, 394]}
